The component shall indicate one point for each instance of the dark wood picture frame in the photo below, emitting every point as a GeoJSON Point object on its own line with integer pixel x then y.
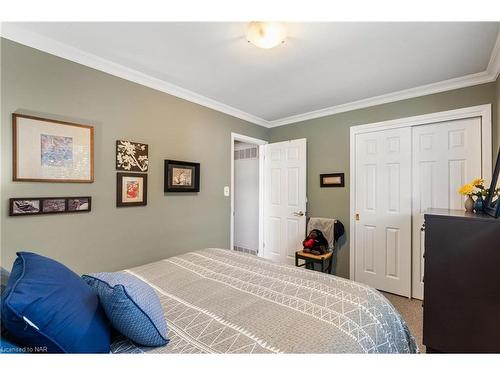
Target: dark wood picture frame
{"type": "Point", "coordinates": [136, 165]}
{"type": "Point", "coordinates": [119, 189]}
{"type": "Point", "coordinates": [15, 150]}
{"type": "Point", "coordinates": [324, 176]}
{"type": "Point", "coordinates": [169, 186]}
{"type": "Point", "coordinates": [491, 207]}
{"type": "Point", "coordinates": [40, 201]}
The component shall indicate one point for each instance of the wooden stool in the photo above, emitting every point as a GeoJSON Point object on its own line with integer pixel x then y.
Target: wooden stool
{"type": "Point", "coordinates": [325, 260]}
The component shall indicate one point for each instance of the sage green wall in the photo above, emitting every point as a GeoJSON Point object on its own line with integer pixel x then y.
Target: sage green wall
{"type": "Point", "coordinates": [111, 238]}
{"type": "Point", "coordinates": [328, 146]}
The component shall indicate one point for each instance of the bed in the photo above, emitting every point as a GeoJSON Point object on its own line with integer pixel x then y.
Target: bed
{"type": "Point", "coordinates": [222, 301]}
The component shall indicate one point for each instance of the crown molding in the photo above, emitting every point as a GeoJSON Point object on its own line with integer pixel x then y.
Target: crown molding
{"type": "Point", "coordinates": [494, 64]}
{"type": "Point", "coordinates": [433, 88]}
{"type": "Point", "coordinates": [53, 47]}
{"type": "Point", "coordinates": [37, 41]}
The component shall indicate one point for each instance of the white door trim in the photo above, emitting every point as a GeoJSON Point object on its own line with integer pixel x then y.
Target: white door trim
{"type": "Point", "coordinates": [260, 142]}
{"type": "Point", "coordinates": [483, 111]}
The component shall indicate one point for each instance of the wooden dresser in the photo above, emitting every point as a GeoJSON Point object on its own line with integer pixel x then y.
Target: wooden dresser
{"type": "Point", "coordinates": [461, 282]}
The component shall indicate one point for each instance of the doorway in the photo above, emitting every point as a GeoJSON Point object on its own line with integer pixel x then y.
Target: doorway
{"type": "Point", "coordinates": [246, 232]}
{"type": "Point", "coordinates": [272, 222]}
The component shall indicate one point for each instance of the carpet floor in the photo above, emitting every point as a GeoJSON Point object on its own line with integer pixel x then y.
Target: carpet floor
{"type": "Point", "coordinates": [412, 312]}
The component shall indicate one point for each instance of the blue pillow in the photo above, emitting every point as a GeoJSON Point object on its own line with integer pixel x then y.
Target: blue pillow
{"type": "Point", "coordinates": [48, 307]}
{"type": "Point", "coordinates": [132, 306]}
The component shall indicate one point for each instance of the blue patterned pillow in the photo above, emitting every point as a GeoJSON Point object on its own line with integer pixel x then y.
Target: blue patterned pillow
{"type": "Point", "coordinates": [132, 306]}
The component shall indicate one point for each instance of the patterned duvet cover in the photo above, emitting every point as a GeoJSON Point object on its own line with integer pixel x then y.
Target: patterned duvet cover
{"type": "Point", "coordinates": [222, 301]}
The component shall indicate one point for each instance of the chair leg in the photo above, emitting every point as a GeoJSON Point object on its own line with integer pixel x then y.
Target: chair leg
{"type": "Point", "coordinates": [296, 260]}
{"type": "Point", "coordinates": [330, 265]}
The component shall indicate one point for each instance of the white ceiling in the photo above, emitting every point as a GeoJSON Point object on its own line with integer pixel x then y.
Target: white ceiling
{"type": "Point", "coordinates": [322, 68]}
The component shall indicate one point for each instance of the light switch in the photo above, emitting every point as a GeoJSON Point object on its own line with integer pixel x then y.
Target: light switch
{"type": "Point", "coordinates": [226, 191]}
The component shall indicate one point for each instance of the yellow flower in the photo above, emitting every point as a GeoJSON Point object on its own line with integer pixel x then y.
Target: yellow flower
{"type": "Point", "coordinates": [478, 181]}
{"type": "Point", "coordinates": [467, 189]}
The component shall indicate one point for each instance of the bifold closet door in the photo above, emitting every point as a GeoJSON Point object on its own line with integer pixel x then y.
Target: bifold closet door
{"type": "Point", "coordinates": [383, 210]}
{"type": "Point", "coordinates": [445, 156]}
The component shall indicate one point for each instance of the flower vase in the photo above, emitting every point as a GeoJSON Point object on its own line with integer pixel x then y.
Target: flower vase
{"type": "Point", "coordinates": [469, 204]}
{"type": "Point", "coordinates": [479, 205]}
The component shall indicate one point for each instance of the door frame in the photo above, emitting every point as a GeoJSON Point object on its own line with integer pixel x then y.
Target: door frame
{"type": "Point", "coordinates": [260, 143]}
{"type": "Point", "coordinates": [482, 111]}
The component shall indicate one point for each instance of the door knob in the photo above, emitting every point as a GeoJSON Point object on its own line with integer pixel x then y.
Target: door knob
{"type": "Point", "coordinates": [300, 213]}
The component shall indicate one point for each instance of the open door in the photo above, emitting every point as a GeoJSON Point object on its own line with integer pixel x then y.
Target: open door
{"type": "Point", "coordinates": [284, 199]}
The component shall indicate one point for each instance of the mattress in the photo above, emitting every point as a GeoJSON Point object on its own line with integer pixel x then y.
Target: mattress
{"type": "Point", "coordinates": [222, 301]}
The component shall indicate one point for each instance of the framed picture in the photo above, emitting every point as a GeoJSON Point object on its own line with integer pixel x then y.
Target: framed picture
{"type": "Point", "coordinates": [131, 189]}
{"type": "Point", "coordinates": [53, 205]}
{"type": "Point", "coordinates": [40, 206]}
{"type": "Point", "coordinates": [331, 180]}
{"type": "Point", "coordinates": [24, 206]}
{"type": "Point", "coordinates": [492, 203]}
{"type": "Point", "coordinates": [51, 151]}
{"type": "Point", "coordinates": [79, 204]}
{"type": "Point", "coordinates": [182, 176]}
{"type": "Point", "coordinates": [131, 156]}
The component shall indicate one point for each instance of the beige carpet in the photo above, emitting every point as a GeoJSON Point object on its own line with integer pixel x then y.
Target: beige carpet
{"type": "Point", "coordinates": [412, 312]}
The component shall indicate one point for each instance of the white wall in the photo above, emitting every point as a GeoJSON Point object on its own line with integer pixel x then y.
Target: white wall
{"type": "Point", "coordinates": [246, 198]}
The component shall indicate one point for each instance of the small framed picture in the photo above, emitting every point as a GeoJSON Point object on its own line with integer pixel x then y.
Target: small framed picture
{"type": "Point", "coordinates": [47, 150]}
{"type": "Point", "coordinates": [79, 204]}
{"type": "Point", "coordinates": [331, 180]}
{"type": "Point", "coordinates": [131, 189]}
{"type": "Point", "coordinates": [53, 205]}
{"type": "Point", "coordinates": [182, 176]}
{"type": "Point", "coordinates": [24, 206]}
{"type": "Point", "coordinates": [131, 156]}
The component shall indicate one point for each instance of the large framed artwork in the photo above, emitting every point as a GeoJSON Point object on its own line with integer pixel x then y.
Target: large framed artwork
{"type": "Point", "coordinates": [181, 176]}
{"type": "Point", "coordinates": [131, 189]}
{"type": "Point", "coordinates": [131, 156]}
{"type": "Point", "coordinates": [53, 205]}
{"type": "Point", "coordinates": [47, 150]}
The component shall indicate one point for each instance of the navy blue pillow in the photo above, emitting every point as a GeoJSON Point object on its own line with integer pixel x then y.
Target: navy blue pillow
{"type": "Point", "coordinates": [48, 307]}
{"type": "Point", "coordinates": [132, 306]}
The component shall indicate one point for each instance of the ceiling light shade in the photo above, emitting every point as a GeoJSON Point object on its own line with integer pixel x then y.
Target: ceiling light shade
{"type": "Point", "coordinates": [266, 34]}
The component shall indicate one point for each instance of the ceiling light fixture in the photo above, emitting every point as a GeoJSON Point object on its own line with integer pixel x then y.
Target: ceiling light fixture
{"type": "Point", "coordinates": [266, 34]}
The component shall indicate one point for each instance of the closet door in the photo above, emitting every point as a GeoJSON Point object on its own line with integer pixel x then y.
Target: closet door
{"type": "Point", "coordinates": [383, 210]}
{"type": "Point", "coordinates": [445, 156]}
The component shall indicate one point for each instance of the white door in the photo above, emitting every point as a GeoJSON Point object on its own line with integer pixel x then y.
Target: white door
{"type": "Point", "coordinates": [445, 156]}
{"type": "Point", "coordinates": [284, 199]}
{"type": "Point", "coordinates": [383, 210]}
